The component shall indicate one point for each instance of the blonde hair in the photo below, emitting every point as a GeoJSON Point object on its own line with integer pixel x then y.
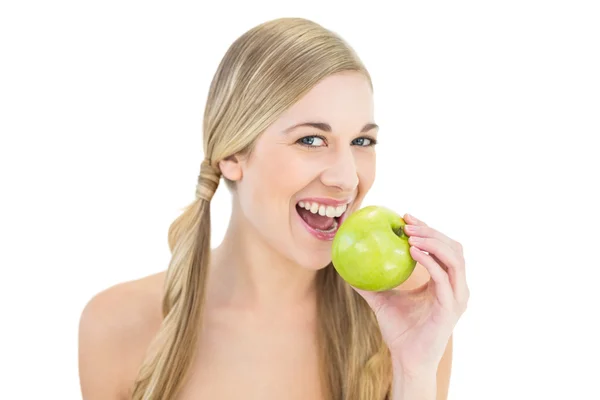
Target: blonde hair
{"type": "Point", "coordinates": [263, 73]}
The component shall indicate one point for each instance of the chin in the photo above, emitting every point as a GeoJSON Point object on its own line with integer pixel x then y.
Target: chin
{"type": "Point", "coordinates": [313, 260]}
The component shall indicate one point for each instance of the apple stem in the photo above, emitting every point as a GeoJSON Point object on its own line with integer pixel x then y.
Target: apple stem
{"type": "Point", "coordinates": [398, 231]}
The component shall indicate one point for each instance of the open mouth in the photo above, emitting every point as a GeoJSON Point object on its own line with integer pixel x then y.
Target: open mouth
{"type": "Point", "coordinates": [322, 218]}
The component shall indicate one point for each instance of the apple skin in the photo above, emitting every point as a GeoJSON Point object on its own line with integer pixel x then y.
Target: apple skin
{"type": "Point", "coordinates": [370, 250]}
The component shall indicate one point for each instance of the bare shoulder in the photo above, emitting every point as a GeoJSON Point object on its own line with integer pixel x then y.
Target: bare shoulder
{"type": "Point", "coordinates": [115, 328]}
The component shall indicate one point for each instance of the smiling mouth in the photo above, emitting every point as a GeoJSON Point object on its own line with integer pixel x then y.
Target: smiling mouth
{"type": "Point", "coordinates": [320, 217]}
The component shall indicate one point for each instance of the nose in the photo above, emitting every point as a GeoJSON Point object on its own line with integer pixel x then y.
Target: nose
{"type": "Point", "coordinates": [342, 171]}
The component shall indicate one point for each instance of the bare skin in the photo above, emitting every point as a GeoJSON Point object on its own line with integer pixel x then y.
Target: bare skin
{"type": "Point", "coordinates": [274, 357]}
{"type": "Point", "coordinates": [258, 335]}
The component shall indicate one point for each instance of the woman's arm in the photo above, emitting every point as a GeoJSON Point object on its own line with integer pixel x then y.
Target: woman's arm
{"type": "Point", "coordinates": [426, 386]}
{"type": "Point", "coordinates": [443, 373]}
{"type": "Point", "coordinates": [406, 387]}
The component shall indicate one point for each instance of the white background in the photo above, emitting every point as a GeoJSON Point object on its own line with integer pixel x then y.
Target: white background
{"type": "Point", "coordinates": [489, 115]}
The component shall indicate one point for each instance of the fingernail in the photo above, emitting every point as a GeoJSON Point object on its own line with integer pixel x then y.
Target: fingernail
{"type": "Point", "coordinates": [414, 239]}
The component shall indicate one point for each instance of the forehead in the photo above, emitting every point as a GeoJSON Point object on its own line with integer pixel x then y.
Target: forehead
{"type": "Point", "coordinates": [344, 100]}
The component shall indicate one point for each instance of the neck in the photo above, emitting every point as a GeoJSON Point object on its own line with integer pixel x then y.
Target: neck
{"type": "Point", "coordinates": [247, 273]}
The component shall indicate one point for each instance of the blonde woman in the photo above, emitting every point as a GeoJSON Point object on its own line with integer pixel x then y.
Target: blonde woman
{"type": "Point", "coordinates": [289, 128]}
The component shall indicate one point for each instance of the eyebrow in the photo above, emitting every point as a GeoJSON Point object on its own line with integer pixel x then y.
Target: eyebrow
{"type": "Point", "coordinates": [326, 127]}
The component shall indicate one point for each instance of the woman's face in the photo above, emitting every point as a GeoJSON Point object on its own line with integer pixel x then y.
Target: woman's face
{"type": "Point", "coordinates": [300, 183]}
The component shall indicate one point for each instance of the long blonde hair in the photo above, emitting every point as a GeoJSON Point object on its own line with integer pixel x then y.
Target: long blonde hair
{"type": "Point", "coordinates": [263, 73]}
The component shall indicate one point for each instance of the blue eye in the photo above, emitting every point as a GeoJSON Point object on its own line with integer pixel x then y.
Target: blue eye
{"type": "Point", "coordinates": [364, 142]}
{"type": "Point", "coordinates": [311, 141]}
{"type": "Point", "coordinates": [316, 141]}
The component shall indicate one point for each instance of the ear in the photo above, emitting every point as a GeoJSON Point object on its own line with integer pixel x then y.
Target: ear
{"type": "Point", "coordinates": [231, 168]}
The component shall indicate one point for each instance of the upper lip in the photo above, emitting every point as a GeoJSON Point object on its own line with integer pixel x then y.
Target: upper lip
{"type": "Point", "coordinates": [327, 201]}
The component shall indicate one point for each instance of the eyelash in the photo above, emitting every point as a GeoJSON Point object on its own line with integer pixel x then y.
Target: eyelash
{"type": "Point", "coordinates": [299, 141]}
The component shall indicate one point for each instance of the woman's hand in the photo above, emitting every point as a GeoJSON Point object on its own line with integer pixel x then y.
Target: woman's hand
{"type": "Point", "coordinates": [417, 324]}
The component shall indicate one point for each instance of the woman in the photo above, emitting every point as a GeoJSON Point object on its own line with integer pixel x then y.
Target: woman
{"type": "Point", "coordinates": [289, 120]}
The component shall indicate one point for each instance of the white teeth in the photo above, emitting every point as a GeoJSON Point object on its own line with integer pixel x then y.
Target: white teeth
{"type": "Point", "coordinates": [321, 209]}
{"type": "Point", "coordinates": [330, 211]}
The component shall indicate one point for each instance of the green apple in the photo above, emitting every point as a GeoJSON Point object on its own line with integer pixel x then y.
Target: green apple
{"type": "Point", "coordinates": [370, 250]}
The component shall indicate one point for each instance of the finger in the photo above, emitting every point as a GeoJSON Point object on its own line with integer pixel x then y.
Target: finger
{"type": "Point", "coordinates": [458, 280]}
{"type": "Point", "coordinates": [441, 250]}
{"type": "Point", "coordinates": [427, 231]}
{"type": "Point", "coordinates": [441, 281]}
{"type": "Point", "coordinates": [458, 275]}
{"type": "Point", "coordinates": [413, 220]}
{"type": "Point", "coordinates": [450, 260]}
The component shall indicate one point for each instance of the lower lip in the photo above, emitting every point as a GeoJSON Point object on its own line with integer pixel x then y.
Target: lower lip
{"type": "Point", "coordinates": [326, 236]}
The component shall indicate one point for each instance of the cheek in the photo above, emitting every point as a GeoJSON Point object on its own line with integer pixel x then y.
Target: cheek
{"type": "Point", "coordinates": [282, 172]}
{"type": "Point", "coordinates": [366, 172]}
{"type": "Point", "coordinates": [268, 185]}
